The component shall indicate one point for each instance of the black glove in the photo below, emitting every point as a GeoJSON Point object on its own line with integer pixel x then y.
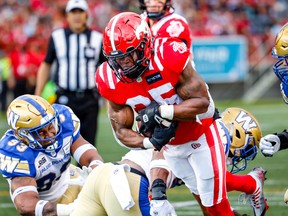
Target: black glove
{"type": "Point", "coordinates": [149, 117]}
{"type": "Point", "coordinates": [177, 182]}
{"type": "Point", "coordinates": [161, 136]}
{"type": "Point", "coordinates": [216, 114]}
{"type": "Point", "coordinates": [158, 190]}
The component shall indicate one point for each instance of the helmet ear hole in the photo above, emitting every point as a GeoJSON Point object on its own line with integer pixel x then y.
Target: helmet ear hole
{"type": "Point", "coordinates": [237, 134]}
{"type": "Point", "coordinates": [245, 134]}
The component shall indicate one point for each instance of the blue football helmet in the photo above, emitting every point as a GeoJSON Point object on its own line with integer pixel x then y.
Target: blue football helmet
{"type": "Point", "coordinates": [27, 115]}
{"type": "Point", "coordinates": [280, 52]}
{"type": "Point", "coordinates": [244, 133]}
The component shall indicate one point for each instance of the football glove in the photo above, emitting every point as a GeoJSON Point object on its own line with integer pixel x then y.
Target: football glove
{"type": "Point", "coordinates": [269, 145]}
{"type": "Point", "coordinates": [83, 174]}
{"type": "Point", "coordinates": [150, 117]}
{"type": "Point", "coordinates": [161, 136]}
{"type": "Point", "coordinates": [161, 208]}
{"type": "Point", "coordinates": [159, 205]}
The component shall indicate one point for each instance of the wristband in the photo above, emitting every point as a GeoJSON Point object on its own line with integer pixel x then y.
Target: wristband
{"type": "Point", "coordinates": [39, 207]}
{"type": "Point", "coordinates": [81, 150]}
{"type": "Point", "coordinates": [158, 190]}
{"type": "Point", "coordinates": [159, 163]}
{"type": "Point", "coordinates": [22, 190]}
{"type": "Point", "coordinates": [167, 111]}
{"type": "Point", "coordinates": [147, 144]}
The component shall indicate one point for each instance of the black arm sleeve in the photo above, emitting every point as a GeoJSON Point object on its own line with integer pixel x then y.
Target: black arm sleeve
{"type": "Point", "coordinates": [51, 53]}
{"type": "Point", "coordinates": [283, 136]}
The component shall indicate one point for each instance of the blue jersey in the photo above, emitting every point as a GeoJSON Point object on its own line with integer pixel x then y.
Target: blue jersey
{"type": "Point", "coordinates": [50, 171]}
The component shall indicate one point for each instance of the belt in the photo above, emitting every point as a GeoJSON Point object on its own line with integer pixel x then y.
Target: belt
{"type": "Point", "coordinates": [133, 170]}
{"type": "Point", "coordinates": [77, 93]}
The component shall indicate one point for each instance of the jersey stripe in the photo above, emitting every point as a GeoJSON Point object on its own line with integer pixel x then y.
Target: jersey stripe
{"type": "Point", "coordinates": [34, 103]}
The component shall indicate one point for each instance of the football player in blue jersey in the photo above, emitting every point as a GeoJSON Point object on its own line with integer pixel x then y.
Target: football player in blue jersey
{"type": "Point", "coordinates": [35, 155]}
{"type": "Point", "coordinates": [272, 143]}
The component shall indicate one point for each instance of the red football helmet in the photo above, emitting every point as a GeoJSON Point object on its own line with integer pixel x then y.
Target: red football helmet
{"type": "Point", "coordinates": [125, 35]}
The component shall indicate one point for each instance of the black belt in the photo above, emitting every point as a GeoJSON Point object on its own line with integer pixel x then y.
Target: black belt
{"type": "Point", "coordinates": [133, 170]}
{"type": "Point", "coordinates": [78, 93]}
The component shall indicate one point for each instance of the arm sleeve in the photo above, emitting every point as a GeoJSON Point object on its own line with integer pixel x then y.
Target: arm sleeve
{"type": "Point", "coordinates": [176, 55]}
{"type": "Point", "coordinates": [51, 53]}
{"type": "Point", "coordinates": [283, 136]}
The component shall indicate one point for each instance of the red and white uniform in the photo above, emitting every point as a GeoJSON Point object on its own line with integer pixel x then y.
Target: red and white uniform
{"type": "Point", "coordinates": [172, 25]}
{"type": "Point", "coordinates": [196, 155]}
{"type": "Point", "coordinates": [158, 84]}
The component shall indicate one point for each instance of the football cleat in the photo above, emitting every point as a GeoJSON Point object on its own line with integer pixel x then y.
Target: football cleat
{"type": "Point", "coordinates": [257, 199]}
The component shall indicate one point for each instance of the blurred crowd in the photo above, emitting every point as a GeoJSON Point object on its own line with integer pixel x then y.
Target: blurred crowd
{"type": "Point", "coordinates": [25, 26]}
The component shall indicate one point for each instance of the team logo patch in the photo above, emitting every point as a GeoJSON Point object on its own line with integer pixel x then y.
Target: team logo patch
{"type": "Point", "coordinates": [179, 46]}
{"type": "Point", "coordinates": [41, 162]}
{"type": "Point", "coordinates": [175, 28]}
{"type": "Point", "coordinates": [195, 145]}
{"type": "Point", "coordinates": [153, 78]}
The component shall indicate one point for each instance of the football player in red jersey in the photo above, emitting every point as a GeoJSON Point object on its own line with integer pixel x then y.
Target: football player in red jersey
{"type": "Point", "coordinates": [161, 85]}
{"type": "Point", "coordinates": [163, 22]}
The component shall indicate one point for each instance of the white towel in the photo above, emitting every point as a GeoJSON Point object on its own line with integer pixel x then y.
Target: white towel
{"type": "Point", "coordinates": [121, 186]}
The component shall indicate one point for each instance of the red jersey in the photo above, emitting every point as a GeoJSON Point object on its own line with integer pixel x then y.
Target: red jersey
{"type": "Point", "coordinates": [172, 25]}
{"type": "Point", "coordinates": [156, 84]}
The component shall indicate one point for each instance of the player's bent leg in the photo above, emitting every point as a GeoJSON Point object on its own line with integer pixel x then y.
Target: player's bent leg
{"type": "Point", "coordinates": [242, 183]}
{"type": "Point", "coordinates": [220, 209]}
{"type": "Point", "coordinates": [88, 202]}
{"type": "Point", "coordinates": [203, 208]}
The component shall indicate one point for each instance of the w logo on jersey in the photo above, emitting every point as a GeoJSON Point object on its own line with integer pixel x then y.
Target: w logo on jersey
{"type": "Point", "coordinates": [12, 119]}
{"type": "Point", "coordinates": [246, 121]}
{"type": "Point", "coordinates": [179, 46]}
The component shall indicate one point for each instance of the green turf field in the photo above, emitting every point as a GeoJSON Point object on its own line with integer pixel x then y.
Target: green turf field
{"type": "Point", "coordinates": [272, 116]}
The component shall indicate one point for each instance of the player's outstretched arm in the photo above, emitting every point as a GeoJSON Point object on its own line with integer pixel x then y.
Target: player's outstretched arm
{"type": "Point", "coordinates": [27, 201]}
{"type": "Point", "coordinates": [85, 153]}
{"type": "Point", "coordinates": [272, 143]}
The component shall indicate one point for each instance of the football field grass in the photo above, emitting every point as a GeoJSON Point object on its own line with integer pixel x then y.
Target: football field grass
{"type": "Point", "coordinates": [272, 116]}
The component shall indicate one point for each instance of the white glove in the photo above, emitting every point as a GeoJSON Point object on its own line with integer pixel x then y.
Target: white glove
{"type": "Point", "coordinates": [286, 197]}
{"type": "Point", "coordinates": [83, 174]}
{"type": "Point", "coordinates": [161, 208]}
{"type": "Point", "coordinates": [269, 145]}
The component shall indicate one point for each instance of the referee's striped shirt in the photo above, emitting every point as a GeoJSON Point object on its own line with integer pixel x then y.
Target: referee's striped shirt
{"type": "Point", "coordinates": [77, 57]}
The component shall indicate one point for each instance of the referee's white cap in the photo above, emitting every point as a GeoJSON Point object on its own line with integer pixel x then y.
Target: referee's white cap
{"type": "Point", "coordinates": [79, 4]}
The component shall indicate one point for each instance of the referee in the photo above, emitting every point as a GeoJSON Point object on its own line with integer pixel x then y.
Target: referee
{"type": "Point", "coordinates": [76, 51]}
